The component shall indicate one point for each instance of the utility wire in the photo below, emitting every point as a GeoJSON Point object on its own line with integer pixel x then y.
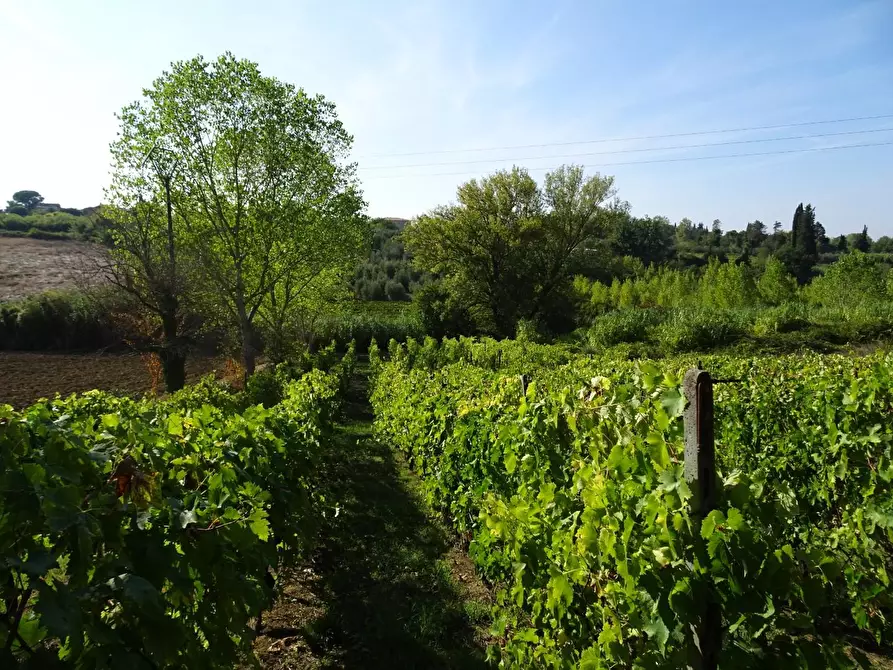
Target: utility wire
{"type": "Point", "coordinates": [631, 151]}
{"type": "Point", "coordinates": [630, 139]}
{"type": "Point", "coordinates": [656, 160]}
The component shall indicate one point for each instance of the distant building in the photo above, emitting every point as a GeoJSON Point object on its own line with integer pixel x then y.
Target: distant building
{"type": "Point", "coordinates": [47, 207]}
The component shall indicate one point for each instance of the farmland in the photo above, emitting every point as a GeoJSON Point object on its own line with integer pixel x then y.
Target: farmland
{"type": "Point", "coordinates": [273, 431]}
{"type": "Point", "coordinates": [28, 376]}
{"type": "Point", "coordinates": [29, 267]}
{"type": "Point", "coordinates": [450, 513]}
{"type": "Point", "coordinates": [573, 495]}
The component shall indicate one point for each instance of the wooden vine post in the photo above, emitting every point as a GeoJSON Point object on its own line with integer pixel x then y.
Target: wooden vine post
{"type": "Point", "coordinates": [700, 474]}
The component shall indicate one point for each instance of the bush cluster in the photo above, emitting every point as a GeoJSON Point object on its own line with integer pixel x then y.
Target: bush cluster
{"type": "Point", "coordinates": [55, 320]}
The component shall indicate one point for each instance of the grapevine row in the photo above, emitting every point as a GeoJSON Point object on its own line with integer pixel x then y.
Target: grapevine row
{"type": "Point", "coordinates": [573, 498]}
{"type": "Point", "coordinates": [141, 533]}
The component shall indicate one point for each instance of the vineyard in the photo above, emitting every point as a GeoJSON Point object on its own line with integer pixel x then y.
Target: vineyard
{"type": "Point", "coordinates": [144, 533]}
{"type": "Point", "coordinates": [251, 419]}
{"type": "Point", "coordinates": [153, 533]}
{"type": "Point", "coordinates": [568, 484]}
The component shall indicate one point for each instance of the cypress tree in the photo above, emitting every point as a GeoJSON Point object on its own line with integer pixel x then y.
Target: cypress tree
{"type": "Point", "coordinates": [806, 239]}
{"type": "Point", "coordinates": [862, 243]}
{"type": "Point", "coordinates": [795, 226]}
{"type": "Point", "coordinates": [802, 254]}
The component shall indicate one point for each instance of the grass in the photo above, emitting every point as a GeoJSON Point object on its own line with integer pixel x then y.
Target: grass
{"type": "Point", "coordinates": [387, 587]}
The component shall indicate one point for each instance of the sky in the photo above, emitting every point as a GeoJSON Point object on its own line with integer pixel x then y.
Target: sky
{"type": "Point", "coordinates": [448, 81]}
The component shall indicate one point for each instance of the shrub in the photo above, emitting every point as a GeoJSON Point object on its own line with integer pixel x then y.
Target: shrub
{"type": "Point", "coordinates": [526, 331]}
{"type": "Point", "coordinates": [38, 234]}
{"type": "Point", "coordinates": [697, 330]}
{"type": "Point", "coordinates": [441, 314]}
{"type": "Point", "coordinates": [396, 291]}
{"type": "Point", "coordinates": [55, 320]}
{"type": "Point", "coordinates": [13, 222]}
{"type": "Point", "coordinates": [263, 388]}
{"type": "Point", "coordinates": [623, 326]}
{"type": "Point", "coordinates": [727, 285]}
{"type": "Point", "coordinates": [854, 281]}
{"type": "Point", "coordinates": [776, 285]}
{"type": "Point", "coordinates": [786, 318]}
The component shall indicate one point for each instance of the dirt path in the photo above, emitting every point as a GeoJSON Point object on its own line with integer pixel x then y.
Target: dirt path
{"type": "Point", "coordinates": [386, 587]}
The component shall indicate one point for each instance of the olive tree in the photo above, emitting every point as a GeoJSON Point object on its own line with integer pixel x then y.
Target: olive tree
{"type": "Point", "coordinates": [259, 164]}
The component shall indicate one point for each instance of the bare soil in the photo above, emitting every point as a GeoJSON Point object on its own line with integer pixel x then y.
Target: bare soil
{"type": "Point", "coordinates": [27, 377]}
{"type": "Point", "coordinates": [31, 266]}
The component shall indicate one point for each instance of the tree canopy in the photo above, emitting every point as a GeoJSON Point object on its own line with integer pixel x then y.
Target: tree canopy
{"type": "Point", "coordinates": [23, 202]}
{"type": "Point", "coordinates": [505, 247]}
{"type": "Point", "coordinates": [262, 190]}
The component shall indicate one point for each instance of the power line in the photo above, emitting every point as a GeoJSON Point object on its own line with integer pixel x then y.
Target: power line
{"type": "Point", "coordinates": [656, 160]}
{"type": "Point", "coordinates": [630, 139]}
{"type": "Point", "coordinates": [630, 151]}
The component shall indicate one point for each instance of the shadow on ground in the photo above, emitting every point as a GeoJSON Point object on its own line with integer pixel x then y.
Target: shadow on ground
{"type": "Point", "coordinates": [386, 588]}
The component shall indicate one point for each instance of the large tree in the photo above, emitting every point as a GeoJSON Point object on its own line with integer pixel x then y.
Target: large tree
{"type": "Point", "coordinates": [317, 285]}
{"type": "Point", "coordinates": [755, 233]}
{"type": "Point", "coordinates": [505, 247]}
{"type": "Point", "coordinates": [803, 232]}
{"type": "Point", "coordinates": [648, 238]}
{"type": "Point", "coordinates": [861, 241]}
{"type": "Point", "coordinates": [23, 202]}
{"type": "Point", "coordinates": [260, 164]}
{"type": "Point", "coordinates": [802, 254]}
{"type": "Point", "coordinates": [150, 261]}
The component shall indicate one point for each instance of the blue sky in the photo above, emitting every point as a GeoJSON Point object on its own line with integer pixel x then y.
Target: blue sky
{"type": "Point", "coordinates": [454, 75]}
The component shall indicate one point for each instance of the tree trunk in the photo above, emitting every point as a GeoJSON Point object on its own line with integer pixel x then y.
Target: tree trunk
{"type": "Point", "coordinates": [173, 366]}
{"type": "Point", "coordinates": [248, 353]}
{"type": "Point", "coordinates": [246, 332]}
{"type": "Point", "coordinates": [172, 355]}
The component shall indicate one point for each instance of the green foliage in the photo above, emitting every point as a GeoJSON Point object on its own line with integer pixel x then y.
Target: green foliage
{"type": "Point", "coordinates": [850, 302]}
{"type": "Point", "coordinates": [631, 325]}
{"type": "Point", "coordinates": [55, 320]}
{"type": "Point", "coordinates": [727, 285]}
{"type": "Point", "coordinates": [854, 281]}
{"type": "Point", "coordinates": [143, 530]}
{"type": "Point", "coordinates": [574, 496]}
{"type": "Point", "coordinates": [389, 265]}
{"type": "Point", "coordinates": [262, 193]}
{"type": "Point", "coordinates": [263, 388]}
{"type": "Point", "coordinates": [505, 249]}
{"type": "Point", "coordinates": [786, 318]}
{"type": "Point", "coordinates": [517, 356]}
{"type": "Point", "coordinates": [650, 239]}
{"type": "Point", "coordinates": [882, 245]}
{"type": "Point", "coordinates": [700, 329]}
{"type": "Point", "coordinates": [54, 225]}
{"type": "Point", "coordinates": [364, 321]}
{"type": "Point", "coordinates": [443, 314]}
{"type": "Point", "coordinates": [776, 285]}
